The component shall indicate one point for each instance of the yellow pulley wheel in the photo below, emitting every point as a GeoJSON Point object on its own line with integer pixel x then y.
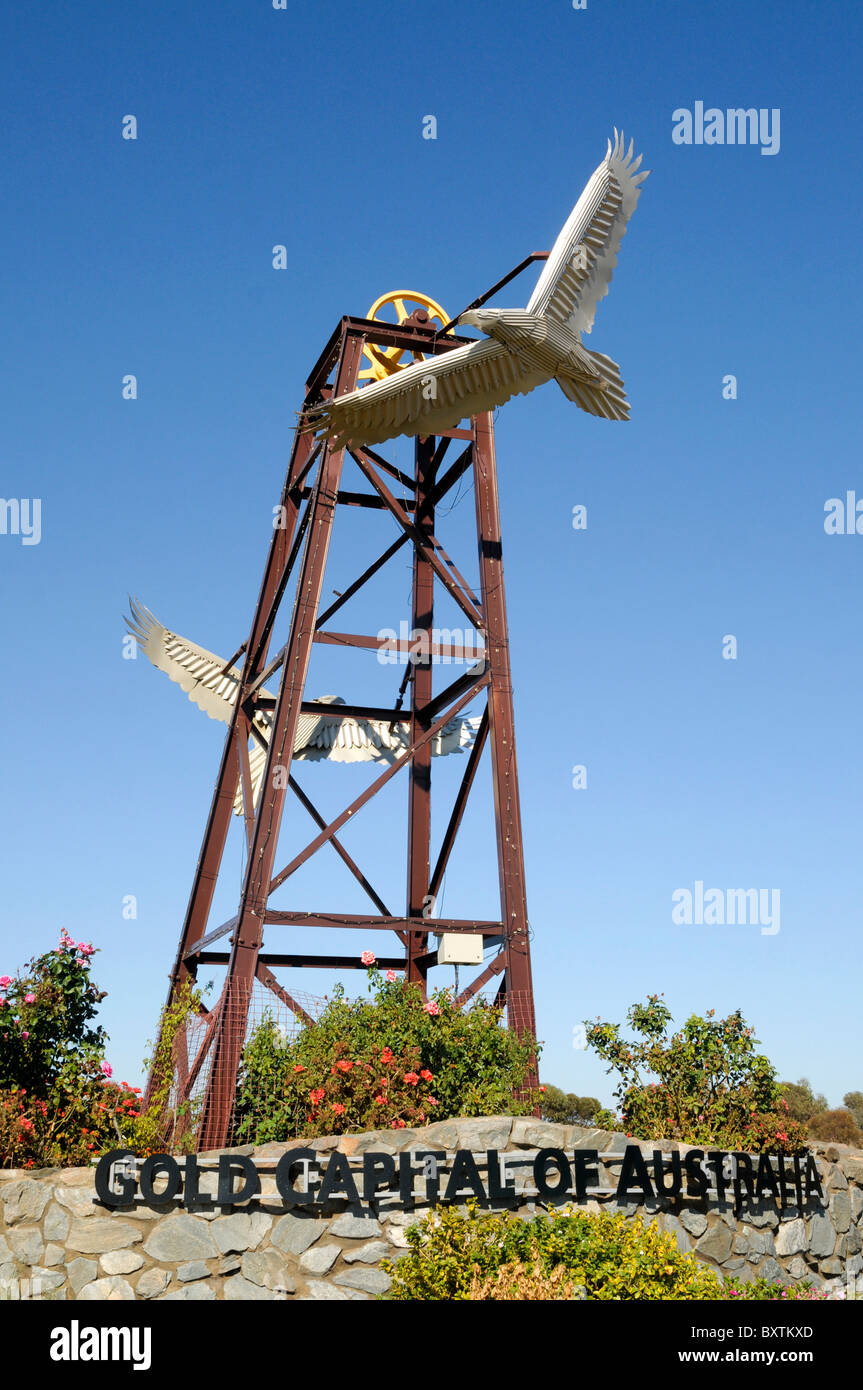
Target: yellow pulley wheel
{"type": "Point", "coordinates": [397, 306]}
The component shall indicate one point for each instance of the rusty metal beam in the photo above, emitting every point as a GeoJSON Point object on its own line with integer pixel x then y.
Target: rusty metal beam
{"type": "Point", "coordinates": [305, 962]}
{"type": "Point", "coordinates": [247, 941]}
{"type": "Point", "coordinates": [459, 806]}
{"type": "Point", "coordinates": [314, 845]}
{"type": "Point", "coordinates": [455, 585]}
{"type": "Point", "coordinates": [466, 925]}
{"type": "Point", "coordinates": [494, 968]}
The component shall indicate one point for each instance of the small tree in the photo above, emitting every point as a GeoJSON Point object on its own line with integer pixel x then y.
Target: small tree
{"type": "Point", "coordinates": [564, 1108]}
{"type": "Point", "coordinates": [802, 1101]}
{"type": "Point", "coordinates": [853, 1101]}
{"type": "Point", "coordinates": [711, 1086]}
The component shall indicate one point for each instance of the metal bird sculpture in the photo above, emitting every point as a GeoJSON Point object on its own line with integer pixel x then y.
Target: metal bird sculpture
{"type": "Point", "coordinates": [213, 688]}
{"type": "Point", "coordinates": [524, 347]}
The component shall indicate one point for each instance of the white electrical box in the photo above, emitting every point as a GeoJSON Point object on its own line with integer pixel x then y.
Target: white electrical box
{"type": "Point", "coordinates": [455, 948]}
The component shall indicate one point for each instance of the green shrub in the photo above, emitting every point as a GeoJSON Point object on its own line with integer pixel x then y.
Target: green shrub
{"type": "Point", "coordinates": [167, 1123]}
{"type": "Point", "coordinates": [457, 1255]}
{"type": "Point", "coordinates": [388, 1061]}
{"type": "Point", "coordinates": [712, 1087]}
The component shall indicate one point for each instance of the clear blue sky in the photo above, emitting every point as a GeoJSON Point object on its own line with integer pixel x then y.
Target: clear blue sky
{"type": "Point", "coordinates": [705, 515]}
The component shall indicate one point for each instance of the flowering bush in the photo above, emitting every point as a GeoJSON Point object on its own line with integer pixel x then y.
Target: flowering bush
{"type": "Point", "coordinates": [389, 1061]}
{"type": "Point", "coordinates": [58, 1104]}
{"type": "Point", "coordinates": [83, 1116]}
{"type": "Point", "coordinates": [45, 1016]}
{"type": "Point", "coordinates": [711, 1088]}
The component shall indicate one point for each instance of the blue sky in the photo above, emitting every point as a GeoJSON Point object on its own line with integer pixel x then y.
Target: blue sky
{"type": "Point", "coordinates": [705, 515]}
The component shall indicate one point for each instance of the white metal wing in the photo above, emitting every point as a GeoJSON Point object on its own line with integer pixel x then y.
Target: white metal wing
{"type": "Point", "coordinates": [578, 271]}
{"type": "Point", "coordinates": [200, 673]}
{"type": "Point", "coordinates": [428, 396]}
{"type": "Point", "coordinates": [337, 738]}
{"type": "Point", "coordinates": [359, 741]}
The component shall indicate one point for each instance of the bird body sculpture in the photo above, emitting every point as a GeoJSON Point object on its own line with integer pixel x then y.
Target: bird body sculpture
{"type": "Point", "coordinates": [213, 687]}
{"type": "Point", "coordinates": [524, 347]}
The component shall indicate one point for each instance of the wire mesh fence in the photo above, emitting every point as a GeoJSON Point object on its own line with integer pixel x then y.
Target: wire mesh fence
{"type": "Point", "coordinates": [207, 1052]}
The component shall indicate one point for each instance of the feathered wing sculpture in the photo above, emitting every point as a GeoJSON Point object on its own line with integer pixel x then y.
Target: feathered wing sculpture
{"type": "Point", "coordinates": [213, 688]}
{"type": "Point", "coordinates": [525, 347]}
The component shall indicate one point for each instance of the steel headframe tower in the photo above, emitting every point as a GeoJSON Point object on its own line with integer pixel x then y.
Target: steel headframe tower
{"type": "Point", "coordinates": [311, 498]}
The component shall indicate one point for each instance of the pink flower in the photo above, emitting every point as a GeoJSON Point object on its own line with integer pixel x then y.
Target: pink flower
{"type": "Point", "coordinates": [107, 1069]}
{"type": "Point", "coordinates": [432, 1008]}
{"type": "Point", "coordinates": [411, 1078]}
{"type": "Point", "coordinates": [368, 957]}
{"type": "Point", "coordinates": [379, 1100]}
{"type": "Point", "coordinates": [338, 1109]}
{"type": "Point", "coordinates": [25, 1034]}
{"type": "Point", "coordinates": [3, 1002]}
{"type": "Point", "coordinates": [391, 975]}
{"type": "Point", "coordinates": [5, 981]}
{"type": "Point", "coordinates": [29, 999]}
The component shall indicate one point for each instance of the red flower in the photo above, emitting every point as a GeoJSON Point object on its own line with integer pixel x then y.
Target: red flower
{"type": "Point", "coordinates": [344, 1066]}
{"type": "Point", "coordinates": [317, 1096]}
{"type": "Point", "coordinates": [299, 1068]}
{"type": "Point", "coordinates": [426, 1074]}
{"type": "Point", "coordinates": [338, 1109]}
{"type": "Point", "coordinates": [411, 1078]}
{"type": "Point", "coordinates": [386, 1055]}
{"type": "Point", "coordinates": [379, 1100]}
{"type": "Point", "coordinates": [397, 1124]}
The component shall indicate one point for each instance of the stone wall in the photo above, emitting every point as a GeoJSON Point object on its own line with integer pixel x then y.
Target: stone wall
{"type": "Point", "coordinates": [57, 1241]}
